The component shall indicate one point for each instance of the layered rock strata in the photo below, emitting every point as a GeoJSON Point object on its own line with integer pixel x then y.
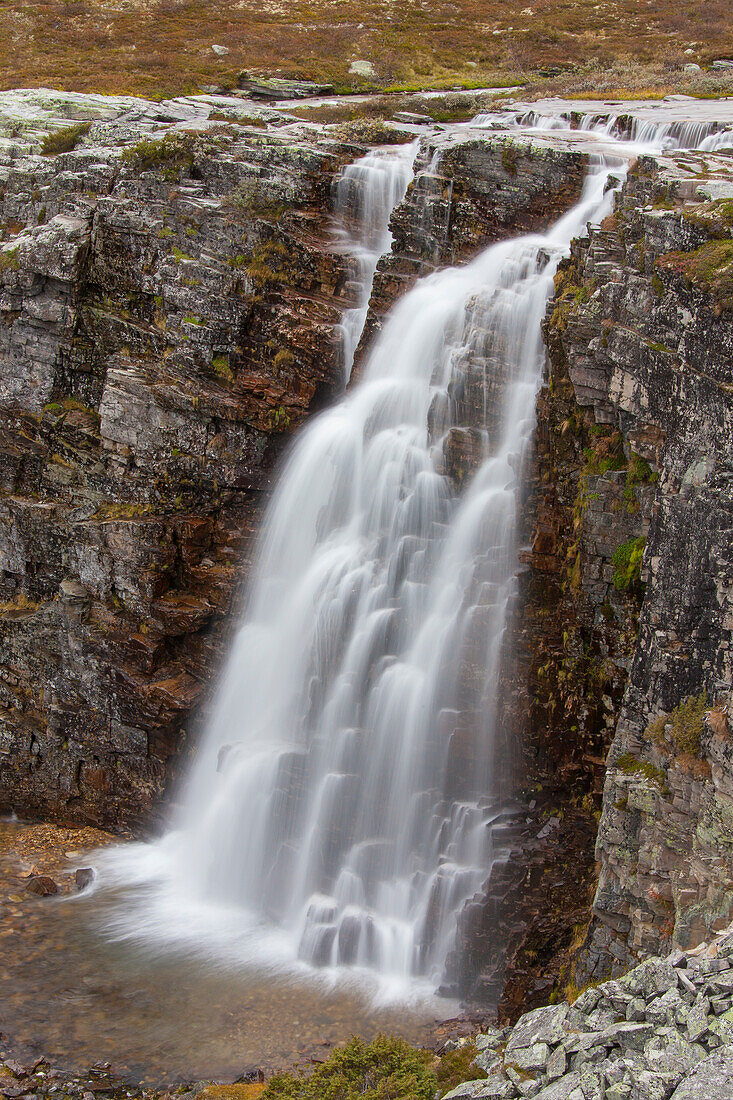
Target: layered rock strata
{"type": "Point", "coordinates": [171, 303]}
{"type": "Point", "coordinates": [640, 336]}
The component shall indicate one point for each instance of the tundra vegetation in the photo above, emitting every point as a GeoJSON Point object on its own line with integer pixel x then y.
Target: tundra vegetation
{"type": "Point", "coordinates": [159, 48]}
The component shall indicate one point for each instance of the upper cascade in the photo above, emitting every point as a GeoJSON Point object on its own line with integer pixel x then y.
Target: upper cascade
{"type": "Point", "coordinates": [366, 193]}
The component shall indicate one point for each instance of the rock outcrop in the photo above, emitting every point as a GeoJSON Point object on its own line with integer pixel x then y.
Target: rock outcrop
{"type": "Point", "coordinates": [469, 192]}
{"type": "Point", "coordinates": [663, 1031]}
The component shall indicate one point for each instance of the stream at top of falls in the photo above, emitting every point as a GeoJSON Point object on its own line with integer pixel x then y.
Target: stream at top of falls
{"type": "Point", "coordinates": [346, 800]}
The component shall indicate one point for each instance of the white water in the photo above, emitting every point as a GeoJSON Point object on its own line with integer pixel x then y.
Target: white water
{"type": "Point", "coordinates": [650, 134]}
{"type": "Point", "coordinates": [339, 810]}
{"type": "Point", "coordinates": [366, 194]}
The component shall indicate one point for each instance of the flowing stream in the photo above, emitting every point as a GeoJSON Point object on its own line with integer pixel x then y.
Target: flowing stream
{"type": "Point", "coordinates": [338, 813]}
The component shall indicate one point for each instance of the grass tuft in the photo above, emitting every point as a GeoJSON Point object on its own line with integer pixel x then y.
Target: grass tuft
{"type": "Point", "coordinates": [64, 140]}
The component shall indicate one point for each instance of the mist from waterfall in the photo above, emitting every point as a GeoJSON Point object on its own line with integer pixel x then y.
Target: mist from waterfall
{"type": "Point", "coordinates": [338, 812]}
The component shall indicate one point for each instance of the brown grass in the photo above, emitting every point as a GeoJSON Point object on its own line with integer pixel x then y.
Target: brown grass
{"type": "Point", "coordinates": [158, 48]}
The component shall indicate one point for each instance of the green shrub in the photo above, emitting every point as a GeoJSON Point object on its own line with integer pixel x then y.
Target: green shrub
{"type": "Point", "coordinates": [172, 154]}
{"type": "Point", "coordinates": [65, 139]}
{"type": "Point", "coordinates": [627, 561]}
{"type": "Point", "coordinates": [686, 725]}
{"type": "Point", "coordinates": [385, 1069]}
{"type": "Point", "coordinates": [457, 1066]}
{"type": "Point", "coordinates": [606, 451]}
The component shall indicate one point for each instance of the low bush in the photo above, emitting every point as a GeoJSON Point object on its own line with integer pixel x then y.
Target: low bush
{"type": "Point", "coordinates": [173, 154]}
{"type": "Point", "coordinates": [368, 131]}
{"type": "Point", "coordinates": [385, 1069]}
{"type": "Point", "coordinates": [457, 1066]}
{"type": "Point", "coordinates": [64, 140]}
{"type": "Point", "coordinates": [684, 725]}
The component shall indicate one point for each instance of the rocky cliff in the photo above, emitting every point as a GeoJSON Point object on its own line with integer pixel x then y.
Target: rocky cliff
{"type": "Point", "coordinates": [635, 451]}
{"type": "Point", "coordinates": [170, 300]}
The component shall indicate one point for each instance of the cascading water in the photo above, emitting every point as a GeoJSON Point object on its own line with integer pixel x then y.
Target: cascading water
{"type": "Point", "coordinates": [366, 194]}
{"type": "Point", "coordinates": [339, 810]}
{"type": "Point", "coordinates": [650, 134]}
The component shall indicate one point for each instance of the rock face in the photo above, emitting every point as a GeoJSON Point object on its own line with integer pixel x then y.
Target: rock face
{"type": "Point", "coordinates": [661, 1032]}
{"type": "Point", "coordinates": [170, 302]}
{"type": "Point", "coordinates": [624, 610]}
{"type": "Point", "coordinates": [640, 336]}
{"type": "Point", "coordinates": [469, 193]}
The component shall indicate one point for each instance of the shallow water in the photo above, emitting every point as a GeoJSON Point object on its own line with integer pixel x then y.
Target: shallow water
{"type": "Point", "coordinates": [72, 997]}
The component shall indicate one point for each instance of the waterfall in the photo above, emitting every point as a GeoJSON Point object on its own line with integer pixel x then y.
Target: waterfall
{"type": "Point", "coordinates": [653, 135]}
{"type": "Point", "coordinates": [339, 810]}
{"type": "Point", "coordinates": [366, 193]}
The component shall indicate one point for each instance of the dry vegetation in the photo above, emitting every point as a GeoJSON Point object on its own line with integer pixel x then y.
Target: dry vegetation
{"type": "Point", "coordinates": [163, 47]}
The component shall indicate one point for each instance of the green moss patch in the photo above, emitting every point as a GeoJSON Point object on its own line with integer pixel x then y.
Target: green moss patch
{"type": "Point", "coordinates": [627, 562]}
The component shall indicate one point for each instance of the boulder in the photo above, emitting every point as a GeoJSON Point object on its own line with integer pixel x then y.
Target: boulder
{"type": "Point", "coordinates": [543, 1025]}
{"type": "Point", "coordinates": [712, 1079]}
{"type": "Point", "coordinates": [41, 885]}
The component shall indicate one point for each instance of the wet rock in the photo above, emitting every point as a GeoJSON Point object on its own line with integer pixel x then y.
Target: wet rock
{"type": "Point", "coordinates": [42, 885]}
{"type": "Point", "coordinates": [83, 877]}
